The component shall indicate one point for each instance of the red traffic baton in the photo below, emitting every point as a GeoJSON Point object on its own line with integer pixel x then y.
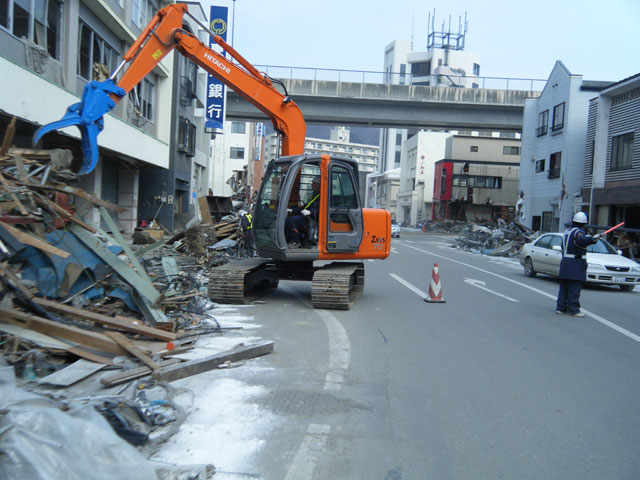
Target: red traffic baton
{"type": "Point", "coordinates": [612, 228]}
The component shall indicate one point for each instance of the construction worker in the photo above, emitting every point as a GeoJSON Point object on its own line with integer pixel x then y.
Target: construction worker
{"type": "Point", "coordinates": [295, 226]}
{"type": "Point", "coordinates": [573, 266]}
{"type": "Point", "coordinates": [246, 224]}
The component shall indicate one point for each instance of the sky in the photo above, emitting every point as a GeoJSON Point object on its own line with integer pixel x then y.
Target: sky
{"type": "Point", "coordinates": [512, 38]}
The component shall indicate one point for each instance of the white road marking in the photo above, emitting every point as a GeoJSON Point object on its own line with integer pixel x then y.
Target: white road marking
{"type": "Point", "coordinates": [312, 446]}
{"type": "Point", "coordinates": [481, 285]}
{"type": "Point", "coordinates": [310, 452]}
{"type": "Point", "coordinates": [408, 285]}
{"type": "Point", "coordinates": [597, 318]}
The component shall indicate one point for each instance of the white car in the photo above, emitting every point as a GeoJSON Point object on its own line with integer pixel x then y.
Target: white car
{"type": "Point", "coordinates": [605, 264]}
{"type": "Point", "coordinates": [395, 231]}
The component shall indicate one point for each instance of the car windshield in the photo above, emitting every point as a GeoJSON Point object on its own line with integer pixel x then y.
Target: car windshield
{"type": "Point", "coordinates": [602, 247]}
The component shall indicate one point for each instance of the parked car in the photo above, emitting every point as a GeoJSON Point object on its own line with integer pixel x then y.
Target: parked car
{"type": "Point", "coordinates": [395, 231]}
{"type": "Point", "coordinates": [605, 264]}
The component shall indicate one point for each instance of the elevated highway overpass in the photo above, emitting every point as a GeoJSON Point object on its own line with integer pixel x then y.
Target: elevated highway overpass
{"type": "Point", "coordinates": [384, 105]}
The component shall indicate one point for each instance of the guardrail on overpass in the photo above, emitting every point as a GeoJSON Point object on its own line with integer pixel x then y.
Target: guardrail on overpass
{"type": "Point", "coordinates": [386, 105]}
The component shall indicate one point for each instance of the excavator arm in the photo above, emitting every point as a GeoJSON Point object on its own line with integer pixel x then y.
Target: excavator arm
{"type": "Point", "coordinates": [163, 34]}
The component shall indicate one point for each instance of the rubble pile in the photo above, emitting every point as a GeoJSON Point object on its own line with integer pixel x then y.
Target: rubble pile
{"type": "Point", "coordinates": [80, 305]}
{"type": "Point", "coordinates": [498, 238]}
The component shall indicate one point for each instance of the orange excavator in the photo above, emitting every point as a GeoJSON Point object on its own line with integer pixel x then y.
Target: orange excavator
{"type": "Point", "coordinates": [336, 228]}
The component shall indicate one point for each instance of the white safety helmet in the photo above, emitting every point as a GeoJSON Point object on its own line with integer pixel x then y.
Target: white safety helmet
{"type": "Point", "coordinates": [580, 217]}
{"type": "Point", "coordinates": [242, 212]}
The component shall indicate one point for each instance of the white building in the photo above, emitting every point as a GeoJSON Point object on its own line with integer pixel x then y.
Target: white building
{"type": "Point", "coordinates": [415, 194]}
{"type": "Point", "coordinates": [554, 134]}
{"type": "Point", "coordinates": [444, 63]}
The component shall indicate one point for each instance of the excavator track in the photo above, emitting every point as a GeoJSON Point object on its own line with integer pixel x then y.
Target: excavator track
{"type": "Point", "coordinates": [239, 282]}
{"type": "Point", "coordinates": [337, 285]}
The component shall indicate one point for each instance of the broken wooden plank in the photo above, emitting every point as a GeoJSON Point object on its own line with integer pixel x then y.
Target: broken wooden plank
{"type": "Point", "coordinates": [34, 241]}
{"type": "Point", "coordinates": [92, 340]}
{"type": "Point", "coordinates": [71, 374]}
{"type": "Point", "coordinates": [122, 323]}
{"type": "Point", "coordinates": [128, 345]}
{"type": "Point", "coordinates": [82, 352]}
{"type": "Point", "coordinates": [8, 136]}
{"type": "Point", "coordinates": [10, 191]}
{"type": "Point", "coordinates": [193, 367]}
{"type": "Point", "coordinates": [45, 202]}
{"type": "Point", "coordinates": [117, 379]}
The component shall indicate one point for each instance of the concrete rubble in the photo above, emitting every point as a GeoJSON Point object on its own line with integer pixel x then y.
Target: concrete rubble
{"type": "Point", "coordinates": [93, 325]}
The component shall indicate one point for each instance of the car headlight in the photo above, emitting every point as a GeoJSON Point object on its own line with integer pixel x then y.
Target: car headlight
{"type": "Point", "coordinates": [595, 266]}
{"type": "Point", "coordinates": [635, 269]}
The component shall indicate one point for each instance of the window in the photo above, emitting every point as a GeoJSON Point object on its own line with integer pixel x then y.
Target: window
{"type": "Point", "coordinates": [621, 151]}
{"type": "Point", "coordinates": [144, 98]}
{"type": "Point", "coordinates": [237, 153]}
{"type": "Point", "coordinates": [187, 137]}
{"type": "Point", "coordinates": [558, 117]}
{"type": "Point", "coordinates": [443, 180]}
{"type": "Point", "coordinates": [509, 150]}
{"type": "Point", "coordinates": [476, 69]}
{"type": "Point", "coordinates": [39, 21]}
{"type": "Point", "coordinates": [403, 73]}
{"type": "Point", "coordinates": [543, 123]}
{"type": "Point", "coordinates": [547, 221]}
{"type": "Point", "coordinates": [240, 127]}
{"type": "Point", "coordinates": [142, 11]}
{"type": "Point", "coordinates": [421, 69]}
{"type": "Point", "coordinates": [93, 51]}
{"type": "Point", "coordinates": [473, 148]}
{"type": "Point", "coordinates": [399, 138]}
{"type": "Point", "coordinates": [540, 166]}
{"type": "Point", "coordinates": [592, 155]}
{"type": "Point", "coordinates": [343, 193]}
{"type": "Point", "coordinates": [554, 165]}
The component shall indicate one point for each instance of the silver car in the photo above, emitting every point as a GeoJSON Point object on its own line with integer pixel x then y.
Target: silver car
{"type": "Point", "coordinates": [395, 231]}
{"type": "Point", "coordinates": [605, 264]}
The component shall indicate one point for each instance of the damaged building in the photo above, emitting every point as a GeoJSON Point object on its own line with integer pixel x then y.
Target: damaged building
{"type": "Point", "coordinates": [151, 149]}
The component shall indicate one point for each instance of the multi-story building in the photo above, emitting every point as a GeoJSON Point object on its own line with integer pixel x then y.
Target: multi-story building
{"type": "Point", "coordinates": [477, 179]}
{"type": "Point", "coordinates": [612, 161]}
{"type": "Point", "coordinates": [237, 152]}
{"type": "Point", "coordinates": [444, 63]}
{"type": "Point", "coordinates": [381, 190]}
{"type": "Point", "coordinates": [415, 195]}
{"type": "Point", "coordinates": [554, 133]}
{"type": "Point", "coordinates": [50, 49]}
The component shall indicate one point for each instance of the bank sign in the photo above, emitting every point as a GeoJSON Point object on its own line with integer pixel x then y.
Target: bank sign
{"type": "Point", "coordinates": [216, 95]}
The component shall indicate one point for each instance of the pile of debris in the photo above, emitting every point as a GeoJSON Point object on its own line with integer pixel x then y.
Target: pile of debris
{"type": "Point", "coordinates": [78, 300]}
{"type": "Point", "coordinates": [498, 238]}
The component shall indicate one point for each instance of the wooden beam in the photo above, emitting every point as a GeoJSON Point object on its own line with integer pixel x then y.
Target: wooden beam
{"type": "Point", "coordinates": [8, 137]}
{"type": "Point", "coordinates": [122, 323]}
{"type": "Point", "coordinates": [61, 211]}
{"type": "Point", "coordinates": [34, 241]}
{"type": "Point", "coordinates": [193, 367]}
{"type": "Point", "coordinates": [117, 379]}
{"type": "Point", "coordinates": [128, 345]}
{"type": "Point", "coordinates": [91, 340]}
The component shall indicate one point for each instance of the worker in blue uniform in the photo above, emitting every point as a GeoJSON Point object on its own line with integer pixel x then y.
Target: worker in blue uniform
{"type": "Point", "coordinates": [573, 267]}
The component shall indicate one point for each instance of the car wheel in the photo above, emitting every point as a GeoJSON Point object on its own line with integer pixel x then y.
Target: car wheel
{"type": "Point", "coordinates": [528, 268]}
{"type": "Point", "coordinates": [627, 288]}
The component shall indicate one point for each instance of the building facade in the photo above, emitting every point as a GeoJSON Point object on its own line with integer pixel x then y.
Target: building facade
{"type": "Point", "coordinates": [415, 195]}
{"type": "Point", "coordinates": [49, 50]}
{"type": "Point", "coordinates": [381, 190]}
{"type": "Point", "coordinates": [612, 159]}
{"type": "Point", "coordinates": [477, 179]}
{"type": "Point", "coordinates": [554, 133]}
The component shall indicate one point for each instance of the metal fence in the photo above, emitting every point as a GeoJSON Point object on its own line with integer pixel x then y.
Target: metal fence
{"type": "Point", "coordinates": [368, 76]}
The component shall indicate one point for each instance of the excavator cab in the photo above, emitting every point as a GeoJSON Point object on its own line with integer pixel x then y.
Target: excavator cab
{"type": "Point", "coordinates": [333, 225]}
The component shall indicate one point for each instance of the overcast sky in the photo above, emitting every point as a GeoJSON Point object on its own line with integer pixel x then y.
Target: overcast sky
{"type": "Point", "coordinates": [597, 39]}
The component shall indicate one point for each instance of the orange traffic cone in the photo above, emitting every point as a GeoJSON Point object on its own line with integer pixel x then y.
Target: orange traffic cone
{"type": "Point", "coordinates": [435, 290]}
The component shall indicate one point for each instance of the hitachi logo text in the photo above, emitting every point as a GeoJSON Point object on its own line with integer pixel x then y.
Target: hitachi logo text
{"type": "Point", "coordinates": [213, 60]}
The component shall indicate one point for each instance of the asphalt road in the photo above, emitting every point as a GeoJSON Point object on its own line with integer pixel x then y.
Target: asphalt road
{"type": "Point", "coordinates": [491, 384]}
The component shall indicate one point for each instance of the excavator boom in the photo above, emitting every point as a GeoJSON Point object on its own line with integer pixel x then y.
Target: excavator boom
{"type": "Point", "coordinates": [163, 34]}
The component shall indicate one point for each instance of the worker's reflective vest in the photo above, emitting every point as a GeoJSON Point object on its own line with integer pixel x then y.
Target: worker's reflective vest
{"type": "Point", "coordinates": [311, 202]}
{"type": "Point", "coordinates": [250, 221]}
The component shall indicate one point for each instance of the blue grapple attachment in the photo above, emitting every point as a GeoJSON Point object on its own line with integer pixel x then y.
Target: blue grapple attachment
{"type": "Point", "coordinates": [88, 117]}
